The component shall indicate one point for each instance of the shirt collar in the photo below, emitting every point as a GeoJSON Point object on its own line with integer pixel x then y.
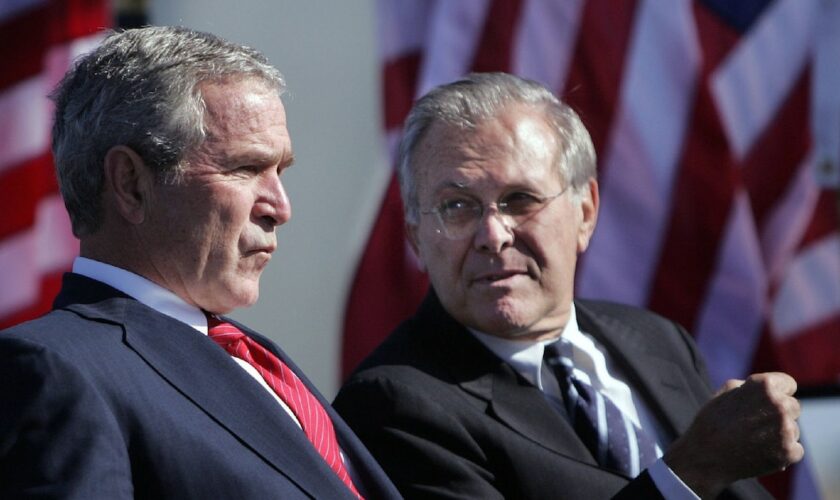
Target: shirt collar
{"type": "Point", "coordinates": [526, 356]}
{"type": "Point", "coordinates": [151, 294]}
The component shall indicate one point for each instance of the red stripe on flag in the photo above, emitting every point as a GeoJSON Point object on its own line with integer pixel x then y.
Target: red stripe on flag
{"type": "Point", "coordinates": [780, 484]}
{"type": "Point", "coordinates": [594, 81]}
{"type": "Point", "coordinates": [22, 60]}
{"type": "Point", "coordinates": [380, 300]}
{"type": "Point", "coordinates": [65, 20]}
{"type": "Point", "coordinates": [21, 189]}
{"type": "Point", "coordinates": [824, 221]}
{"type": "Point", "coordinates": [399, 82]}
{"type": "Point", "coordinates": [50, 284]}
{"type": "Point", "coordinates": [812, 352]}
{"type": "Point", "coordinates": [766, 356]}
{"type": "Point", "coordinates": [703, 193]}
{"type": "Point", "coordinates": [71, 19]}
{"type": "Point", "coordinates": [495, 47]}
{"type": "Point", "coordinates": [776, 155]}
{"type": "Point", "coordinates": [25, 43]}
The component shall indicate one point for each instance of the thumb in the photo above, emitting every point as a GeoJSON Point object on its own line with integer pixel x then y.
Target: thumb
{"type": "Point", "coordinates": [728, 386]}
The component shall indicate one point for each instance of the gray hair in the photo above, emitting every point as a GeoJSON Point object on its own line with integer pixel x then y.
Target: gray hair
{"type": "Point", "coordinates": [140, 88]}
{"type": "Point", "coordinates": [480, 96]}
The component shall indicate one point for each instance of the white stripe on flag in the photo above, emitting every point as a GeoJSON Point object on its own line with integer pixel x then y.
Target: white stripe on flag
{"type": "Point", "coordinates": [25, 123]}
{"type": "Point", "coordinates": [60, 57]}
{"type": "Point", "coordinates": [788, 220]}
{"type": "Point", "coordinates": [825, 101]}
{"type": "Point", "coordinates": [730, 320]}
{"type": "Point", "coordinates": [401, 27]}
{"type": "Point", "coordinates": [640, 163]}
{"type": "Point", "coordinates": [810, 292]}
{"type": "Point", "coordinates": [48, 246]}
{"type": "Point", "coordinates": [757, 76]}
{"type": "Point", "coordinates": [545, 41]}
{"type": "Point", "coordinates": [451, 42]}
{"type": "Point", "coordinates": [26, 110]}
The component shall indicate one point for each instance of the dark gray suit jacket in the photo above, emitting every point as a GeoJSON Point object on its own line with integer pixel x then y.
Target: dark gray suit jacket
{"type": "Point", "coordinates": [446, 418]}
{"type": "Point", "coordinates": [106, 398]}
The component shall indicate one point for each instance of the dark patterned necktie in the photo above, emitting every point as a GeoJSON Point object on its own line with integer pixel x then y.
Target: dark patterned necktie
{"type": "Point", "coordinates": [613, 439]}
{"type": "Point", "coordinates": [313, 418]}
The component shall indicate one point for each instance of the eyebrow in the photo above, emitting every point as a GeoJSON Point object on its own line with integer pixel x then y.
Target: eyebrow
{"type": "Point", "coordinates": [284, 160]}
{"type": "Point", "coordinates": [461, 186]}
{"type": "Point", "coordinates": [450, 184]}
{"type": "Point", "coordinates": [287, 160]}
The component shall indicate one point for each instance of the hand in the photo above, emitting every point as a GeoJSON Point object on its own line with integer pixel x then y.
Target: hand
{"type": "Point", "coordinates": [748, 429]}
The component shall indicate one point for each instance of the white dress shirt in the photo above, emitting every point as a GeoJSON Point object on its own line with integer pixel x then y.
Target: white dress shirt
{"type": "Point", "coordinates": [163, 301]}
{"type": "Point", "coordinates": [591, 363]}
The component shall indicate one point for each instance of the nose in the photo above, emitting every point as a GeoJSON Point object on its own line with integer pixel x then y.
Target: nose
{"type": "Point", "coordinates": [272, 206]}
{"type": "Point", "coordinates": [493, 233]}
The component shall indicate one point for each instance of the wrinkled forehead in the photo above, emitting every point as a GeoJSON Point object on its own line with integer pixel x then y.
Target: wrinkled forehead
{"type": "Point", "coordinates": [517, 146]}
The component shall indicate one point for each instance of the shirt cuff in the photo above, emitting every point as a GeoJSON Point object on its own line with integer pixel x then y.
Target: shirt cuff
{"type": "Point", "coordinates": [669, 485]}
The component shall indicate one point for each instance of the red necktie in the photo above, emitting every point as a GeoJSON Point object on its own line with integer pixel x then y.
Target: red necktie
{"type": "Point", "coordinates": [313, 418]}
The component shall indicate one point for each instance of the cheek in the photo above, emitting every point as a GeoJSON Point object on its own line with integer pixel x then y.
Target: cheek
{"type": "Point", "coordinates": [443, 261]}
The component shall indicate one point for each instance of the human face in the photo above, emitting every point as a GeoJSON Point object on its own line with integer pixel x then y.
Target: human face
{"type": "Point", "coordinates": [210, 236]}
{"type": "Point", "coordinates": [508, 282]}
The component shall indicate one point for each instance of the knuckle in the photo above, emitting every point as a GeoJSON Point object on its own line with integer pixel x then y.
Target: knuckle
{"type": "Point", "coordinates": [778, 403]}
{"type": "Point", "coordinates": [731, 384]}
{"type": "Point", "coordinates": [789, 431]}
{"type": "Point", "coordinates": [795, 408]}
{"type": "Point", "coordinates": [799, 453]}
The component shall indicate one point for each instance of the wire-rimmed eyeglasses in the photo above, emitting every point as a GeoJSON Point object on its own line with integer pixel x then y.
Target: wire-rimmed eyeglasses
{"type": "Point", "coordinates": [458, 216]}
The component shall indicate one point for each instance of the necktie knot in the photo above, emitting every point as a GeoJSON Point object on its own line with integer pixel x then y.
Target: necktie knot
{"type": "Point", "coordinates": [222, 332]}
{"type": "Point", "coordinates": [555, 358]}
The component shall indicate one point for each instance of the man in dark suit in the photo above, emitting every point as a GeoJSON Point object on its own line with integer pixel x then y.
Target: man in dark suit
{"type": "Point", "coordinates": [504, 386]}
{"type": "Point", "coordinates": [169, 145]}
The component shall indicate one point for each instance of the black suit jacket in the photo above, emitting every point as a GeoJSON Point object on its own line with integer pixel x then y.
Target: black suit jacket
{"type": "Point", "coordinates": [446, 418]}
{"type": "Point", "coordinates": [107, 398]}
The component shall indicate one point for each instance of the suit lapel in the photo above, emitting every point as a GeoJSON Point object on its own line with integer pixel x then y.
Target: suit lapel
{"type": "Point", "coordinates": [511, 399]}
{"type": "Point", "coordinates": [203, 373]}
{"type": "Point", "coordinates": [524, 408]}
{"type": "Point", "coordinates": [660, 380]}
{"type": "Point", "coordinates": [369, 478]}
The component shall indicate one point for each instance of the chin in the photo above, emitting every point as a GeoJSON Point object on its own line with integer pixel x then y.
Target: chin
{"type": "Point", "coordinates": [237, 298]}
{"type": "Point", "coordinates": [502, 322]}
{"type": "Point", "coordinates": [523, 317]}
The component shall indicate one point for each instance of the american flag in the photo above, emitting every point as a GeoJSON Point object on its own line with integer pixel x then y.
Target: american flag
{"type": "Point", "coordinates": [717, 127]}
{"type": "Point", "coordinates": [38, 41]}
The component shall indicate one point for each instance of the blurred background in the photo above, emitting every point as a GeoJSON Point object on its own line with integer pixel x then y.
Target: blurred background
{"type": "Point", "coordinates": [717, 126]}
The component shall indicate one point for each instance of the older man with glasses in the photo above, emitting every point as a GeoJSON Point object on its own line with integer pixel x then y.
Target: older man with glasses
{"type": "Point", "coordinates": [503, 385]}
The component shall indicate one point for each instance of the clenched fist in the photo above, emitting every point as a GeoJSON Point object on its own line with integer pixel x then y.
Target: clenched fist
{"type": "Point", "coordinates": [748, 429]}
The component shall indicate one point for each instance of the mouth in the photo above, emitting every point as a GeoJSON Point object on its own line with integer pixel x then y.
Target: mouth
{"type": "Point", "coordinates": [265, 251]}
{"type": "Point", "coordinates": [497, 278]}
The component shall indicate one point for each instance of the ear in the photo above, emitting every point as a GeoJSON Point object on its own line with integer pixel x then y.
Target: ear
{"type": "Point", "coordinates": [589, 215]}
{"type": "Point", "coordinates": [128, 182]}
{"type": "Point", "coordinates": [414, 242]}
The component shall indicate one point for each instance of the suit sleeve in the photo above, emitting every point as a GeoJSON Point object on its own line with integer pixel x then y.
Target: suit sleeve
{"type": "Point", "coordinates": [424, 451]}
{"type": "Point", "coordinates": [58, 438]}
{"type": "Point", "coordinates": [742, 489]}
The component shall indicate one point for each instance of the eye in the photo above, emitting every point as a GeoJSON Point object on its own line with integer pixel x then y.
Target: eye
{"type": "Point", "coordinates": [520, 203]}
{"type": "Point", "coordinates": [245, 170]}
{"type": "Point", "coordinates": [458, 209]}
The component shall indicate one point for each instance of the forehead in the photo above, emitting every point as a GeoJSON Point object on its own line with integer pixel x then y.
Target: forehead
{"type": "Point", "coordinates": [516, 146]}
{"type": "Point", "coordinates": [236, 103]}
{"type": "Point", "coordinates": [244, 116]}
